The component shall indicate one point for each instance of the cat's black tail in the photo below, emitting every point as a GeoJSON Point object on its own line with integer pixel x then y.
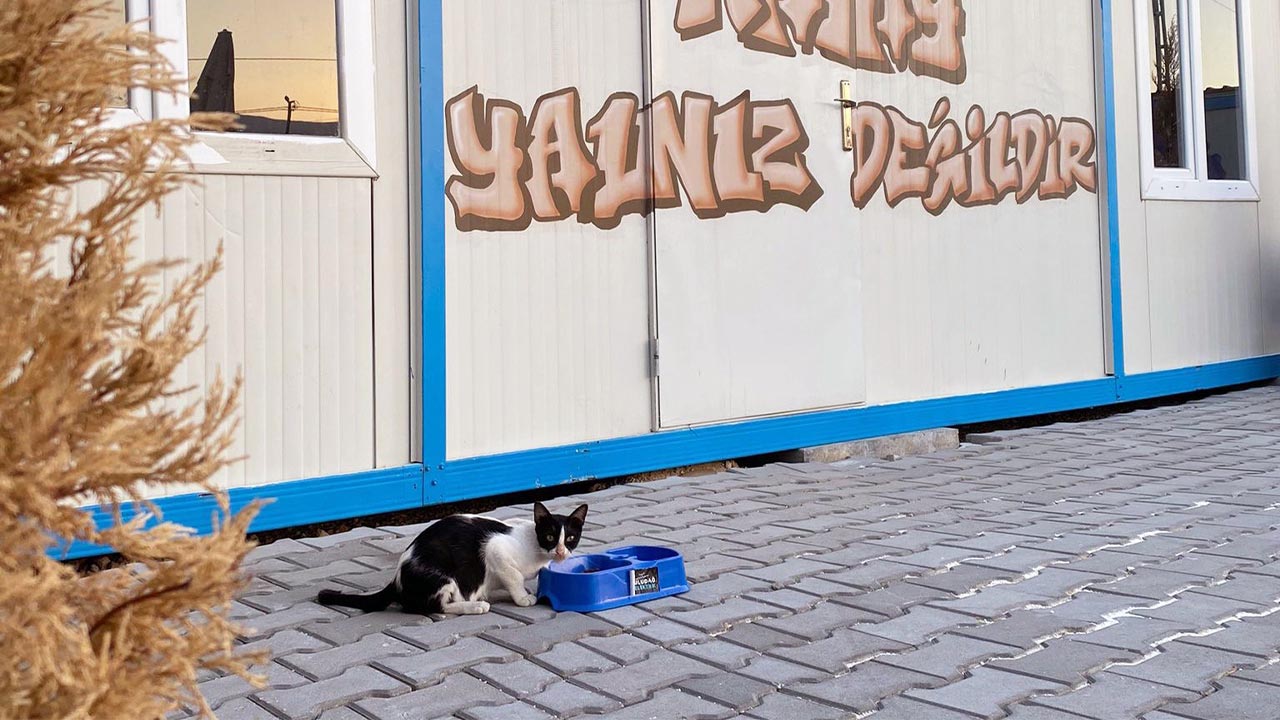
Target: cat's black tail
{"type": "Point", "coordinates": [368, 603]}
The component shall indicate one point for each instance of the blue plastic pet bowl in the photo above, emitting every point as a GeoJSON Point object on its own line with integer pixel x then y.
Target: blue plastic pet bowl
{"type": "Point", "coordinates": [622, 576]}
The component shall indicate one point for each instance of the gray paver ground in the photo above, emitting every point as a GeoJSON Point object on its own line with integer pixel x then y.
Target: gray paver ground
{"type": "Point", "coordinates": [1127, 567]}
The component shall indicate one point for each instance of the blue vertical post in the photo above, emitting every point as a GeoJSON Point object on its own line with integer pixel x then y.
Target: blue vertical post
{"type": "Point", "coordinates": [1113, 199]}
{"type": "Point", "coordinates": [431, 146]}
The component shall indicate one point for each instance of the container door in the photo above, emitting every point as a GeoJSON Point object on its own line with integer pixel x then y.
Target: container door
{"type": "Point", "coordinates": [758, 271]}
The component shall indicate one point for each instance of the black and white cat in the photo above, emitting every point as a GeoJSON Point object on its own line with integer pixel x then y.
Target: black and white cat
{"type": "Point", "coordinates": [460, 562]}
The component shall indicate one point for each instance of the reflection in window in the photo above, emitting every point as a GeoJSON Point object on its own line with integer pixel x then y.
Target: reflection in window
{"type": "Point", "coordinates": [111, 18]}
{"type": "Point", "coordinates": [272, 62]}
{"type": "Point", "coordinates": [1166, 85]}
{"type": "Point", "coordinates": [1223, 110]}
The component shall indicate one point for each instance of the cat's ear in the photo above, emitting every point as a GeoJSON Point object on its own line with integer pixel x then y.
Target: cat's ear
{"type": "Point", "coordinates": [540, 512]}
{"type": "Point", "coordinates": [580, 514]}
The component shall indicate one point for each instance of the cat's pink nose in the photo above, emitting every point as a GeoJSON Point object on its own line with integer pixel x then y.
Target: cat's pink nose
{"type": "Point", "coordinates": [561, 554]}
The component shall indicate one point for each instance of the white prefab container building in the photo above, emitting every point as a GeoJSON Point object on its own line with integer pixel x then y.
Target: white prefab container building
{"type": "Point", "coordinates": [530, 242]}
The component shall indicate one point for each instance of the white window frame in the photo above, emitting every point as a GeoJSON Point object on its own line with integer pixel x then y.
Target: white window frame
{"type": "Point", "coordinates": [140, 101]}
{"type": "Point", "coordinates": [289, 155]}
{"type": "Point", "coordinates": [1192, 183]}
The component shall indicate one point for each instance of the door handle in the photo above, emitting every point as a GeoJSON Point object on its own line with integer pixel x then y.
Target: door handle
{"type": "Point", "coordinates": [846, 113]}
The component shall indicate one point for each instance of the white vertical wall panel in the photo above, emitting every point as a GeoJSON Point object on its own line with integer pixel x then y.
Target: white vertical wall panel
{"type": "Point", "coordinates": [981, 299]}
{"type": "Point", "coordinates": [1134, 274]}
{"type": "Point", "coordinates": [1266, 21]}
{"type": "Point", "coordinates": [1206, 284]}
{"type": "Point", "coordinates": [395, 322]}
{"type": "Point", "coordinates": [292, 310]}
{"type": "Point", "coordinates": [547, 328]}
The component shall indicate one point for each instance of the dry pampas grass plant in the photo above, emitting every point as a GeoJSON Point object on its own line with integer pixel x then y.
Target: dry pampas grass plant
{"type": "Point", "coordinates": [89, 341]}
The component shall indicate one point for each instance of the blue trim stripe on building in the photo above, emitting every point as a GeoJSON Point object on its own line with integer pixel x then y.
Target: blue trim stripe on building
{"type": "Point", "coordinates": [334, 498]}
{"type": "Point", "coordinates": [293, 503]}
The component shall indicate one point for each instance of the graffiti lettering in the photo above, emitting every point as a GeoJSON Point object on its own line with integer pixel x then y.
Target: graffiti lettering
{"type": "Point", "coordinates": [513, 170]}
{"type": "Point", "coordinates": [1025, 155]}
{"type": "Point", "coordinates": [889, 36]}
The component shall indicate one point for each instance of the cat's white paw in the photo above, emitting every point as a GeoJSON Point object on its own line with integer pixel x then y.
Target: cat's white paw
{"type": "Point", "coordinates": [477, 607]}
{"type": "Point", "coordinates": [526, 601]}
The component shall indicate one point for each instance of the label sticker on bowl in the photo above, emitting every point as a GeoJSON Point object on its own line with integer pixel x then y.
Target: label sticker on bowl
{"type": "Point", "coordinates": [644, 581]}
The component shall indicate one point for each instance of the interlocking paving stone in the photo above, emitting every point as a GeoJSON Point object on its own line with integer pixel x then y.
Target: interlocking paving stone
{"type": "Point", "coordinates": [1066, 661]}
{"type": "Point", "coordinates": [286, 546]}
{"type": "Point", "coordinates": [779, 672]}
{"type": "Point", "coordinates": [511, 711]}
{"type": "Point", "coordinates": [1186, 666]}
{"type": "Point", "coordinates": [718, 652]}
{"type": "Point", "coordinates": [905, 708]}
{"type": "Point", "coordinates": [1269, 675]}
{"type": "Point", "coordinates": [673, 704]}
{"type": "Point", "coordinates": [519, 678]}
{"type": "Point", "coordinates": [332, 662]}
{"type": "Point", "coordinates": [821, 620]}
{"type": "Point", "coordinates": [431, 635]}
{"type": "Point", "coordinates": [1233, 700]}
{"type": "Point", "coordinates": [948, 657]}
{"type": "Point", "coordinates": [427, 668]}
{"type": "Point", "coordinates": [350, 629]}
{"type": "Point", "coordinates": [824, 590]}
{"type": "Point", "coordinates": [276, 600]}
{"type": "Point", "coordinates": [991, 602]}
{"type": "Point", "coordinates": [623, 648]}
{"type": "Point", "coordinates": [838, 652]}
{"type": "Point", "coordinates": [788, 707]}
{"type": "Point", "coordinates": [342, 713]}
{"type": "Point", "coordinates": [984, 692]}
{"type": "Point", "coordinates": [917, 625]}
{"type": "Point", "coordinates": [541, 635]}
{"type": "Point", "coordinates": [665, 633]}
{"type": "Point", "coordinates": [271, 623]}
{"type": "Point", "coordinates": [633, 683]}
{"type": "Point", "coordinates": [1258, 636]}
{"type": "Point", "coordinates": [1257, 589]}
{"type": "Point", "coordinates": [569, 658]}
{"type": "Point", "coordinates": [328, 541]}
{"type": "Point", "coordinates": [736, 691]}
{"type": "Point", "coordinates": [309, 700]}
{"type": "Point", "coordinates": [715, 618]}
{"type": "Point", "coordinates": [566, 699]}
{"type": "Point", "coordinates": [286, 642]}
{"type": "Point", "coordinates": [244, 709]}
{"type": "Point", "coordinates": [894, 599]}
{"type": "Point", "coordinates": [228, 687]}
{"type": "Point", "coordinates": [1196, 608]}
{"type": "Point", "coordinates": [962, 579]}
{"type": "Point", "coordinates": [1151, 583]}
{"type": "Point", "coordinates": [455, 693]}
{"type": "Point", "coordinates": [872, 575]}
{"type": "Point", "coordinates": [1136, 634]}
{"type": "Point", "coordinates": [1114, 696]}
{"type": "Point", "coordinates": [864, 687]}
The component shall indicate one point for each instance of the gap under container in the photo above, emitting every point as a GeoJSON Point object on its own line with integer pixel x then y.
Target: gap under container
{"type": "Point", "coordinates": [613, 578]}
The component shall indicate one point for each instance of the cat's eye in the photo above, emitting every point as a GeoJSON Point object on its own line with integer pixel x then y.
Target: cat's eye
{"type": "Point", "coordinates": [551, 538]}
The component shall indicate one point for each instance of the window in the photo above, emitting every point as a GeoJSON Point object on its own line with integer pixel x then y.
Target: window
{"type": "Point", "coordinates": [1195, 84]}
{"type": "Point", "coordinates": [274, 63]}
{"type": "Point", "coordinates": [300, 74]}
